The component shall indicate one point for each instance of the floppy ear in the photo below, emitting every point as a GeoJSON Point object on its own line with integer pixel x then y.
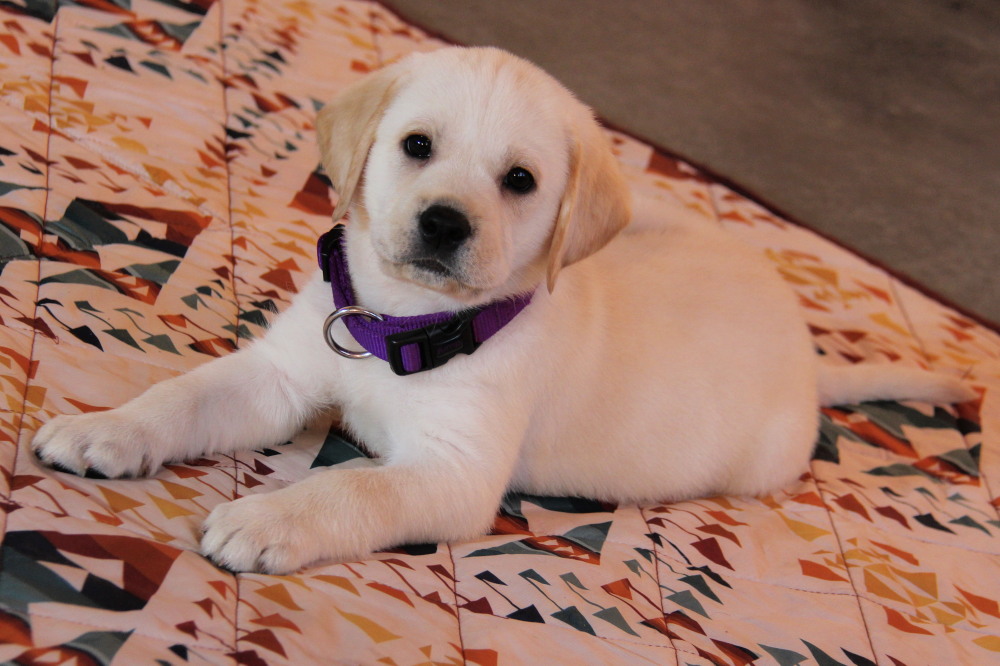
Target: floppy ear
{"type": "Point", "coordinates": [596, 204]}
{"type": "Point", "coordinates": [346, 130]}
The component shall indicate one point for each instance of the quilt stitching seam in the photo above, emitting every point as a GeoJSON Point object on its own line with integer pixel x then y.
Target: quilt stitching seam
{"type": "Point", "coordinates": [38, 262]}
{"type": "Point", "coordinates": [458, 611]}
{"type": "Point", "coordinates": [659, 584]}
{"type": "Point", "coordinates": [223, 61]}
{"type": "Point", "coordinates": [840, 545]}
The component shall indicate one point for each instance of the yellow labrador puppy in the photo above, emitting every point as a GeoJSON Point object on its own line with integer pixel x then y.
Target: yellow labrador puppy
{"type": "Point", "coordinates": [527, 342]}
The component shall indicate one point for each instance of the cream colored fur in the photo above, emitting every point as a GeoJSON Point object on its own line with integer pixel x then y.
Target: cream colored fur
{"type": "Point", "coordinates": [667, 361]}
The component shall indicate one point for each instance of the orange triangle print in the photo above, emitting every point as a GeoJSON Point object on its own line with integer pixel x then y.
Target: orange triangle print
{"type": "Point", "coordinates": [118, 502]}
{"type": "Point", "coordinates": [169, 509]}
{"type": "Point", "coordinates": [279, 595]}
{"type": "Point", "coordinates": [374, 630]}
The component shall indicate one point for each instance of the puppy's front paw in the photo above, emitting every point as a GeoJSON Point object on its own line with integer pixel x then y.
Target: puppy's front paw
{"type": "Point", "coordinates": [102, 442]}
{"type": "Point", "coordinates": [282, 531]}
{"type": "Point", "coordinates": [257, 533]}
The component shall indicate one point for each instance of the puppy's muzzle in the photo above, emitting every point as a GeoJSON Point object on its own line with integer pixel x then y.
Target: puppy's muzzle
{"type": "Point", "coordinates": [443, 230]}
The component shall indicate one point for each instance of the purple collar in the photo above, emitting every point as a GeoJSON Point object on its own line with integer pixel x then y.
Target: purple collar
{"type": "Point", "coordinates": [409, 344]}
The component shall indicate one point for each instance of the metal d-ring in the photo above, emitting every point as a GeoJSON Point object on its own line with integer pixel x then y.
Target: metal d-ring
{"type": "Point", "coordinates": [343, 312]}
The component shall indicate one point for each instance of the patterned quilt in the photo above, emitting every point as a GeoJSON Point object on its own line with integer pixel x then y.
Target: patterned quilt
{"type": "Point", "coordinates": [160, 198]}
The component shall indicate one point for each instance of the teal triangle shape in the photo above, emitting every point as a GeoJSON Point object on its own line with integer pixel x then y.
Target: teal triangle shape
{"type": "Point", "coordinates": [634, 567]}
{"type": "Point", "coordinates": [511, 504]}
{"type": "Point", "coordinates": [784, 657]}
{"type": "Point", "coordinates": [159, 272]}
{"type": "Point", "coordinates": [179, 31]}
{"type": "Point", "coordinates": [574, 618]}
{"type": "Point", "coordinates": [699, 583]}
{"type": "Point", "coordinates": [822, 658]}
{"type": "Point", "coordinates": [614, 616]}
{"type": "Point", "coordinates": [102, 645]}
{"type": "Point", "coordinates": [335, 450]}
{"type": "Point", "coordinates": [686, 599]}
{"type": "Point", "coordinates": [968, 521]}
{"type": "Point", "coordinates": [512, 548]}
{"type": "Point", "coordinates": [79, 276]}
{"type": "Point", "coordinates": [571, 579]}
{"type": "Point", "coordinates": [590, 537]}
{"type": "Point", "coordinates": [962, 459]}
{"type": "Point", "coordinates": [122, 335]}
{"type": "Point", "coordinates": [531, 574]}
{"type": "Point", "coordinates": [156, 67]}
{"type": "Point", "coordinates": [162, 342]}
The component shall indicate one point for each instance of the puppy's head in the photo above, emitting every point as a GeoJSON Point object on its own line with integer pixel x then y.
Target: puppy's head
{"type": "Point", "coordinates": [471, 172]}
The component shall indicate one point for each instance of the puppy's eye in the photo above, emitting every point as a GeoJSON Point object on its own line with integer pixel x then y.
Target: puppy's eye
{"type": "Point", "coordinates": [519, 180]}
{"type": "Point", "coordinates": [417, 146]}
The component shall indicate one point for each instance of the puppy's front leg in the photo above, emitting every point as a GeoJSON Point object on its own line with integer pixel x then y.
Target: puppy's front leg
{"type": "Point", "coordinates": [448, 494]}
{"type": "Point", "coordinates": [252, 398]}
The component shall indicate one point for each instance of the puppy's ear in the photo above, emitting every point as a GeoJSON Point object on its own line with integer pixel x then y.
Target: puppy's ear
{"type": "Point", "coordinates": [345, 128]}
{"type": "Point", "coordinates": [596, 204]}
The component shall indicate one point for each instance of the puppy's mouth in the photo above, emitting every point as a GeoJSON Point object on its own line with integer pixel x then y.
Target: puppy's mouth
{"type": "Point", "coordinates": [445, 275]}
{"type": "Point", "coordinates": [434, 267]}
{"type": "Point", "coordinates": [435, 275]}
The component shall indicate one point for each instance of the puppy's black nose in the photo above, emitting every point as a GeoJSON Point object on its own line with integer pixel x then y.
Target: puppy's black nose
{"type": "Point", "coordinates": [443, 229]}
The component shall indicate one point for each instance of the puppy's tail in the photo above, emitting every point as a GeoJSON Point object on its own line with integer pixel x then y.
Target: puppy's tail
{"type": "Point", "coordinates": [840, 385]}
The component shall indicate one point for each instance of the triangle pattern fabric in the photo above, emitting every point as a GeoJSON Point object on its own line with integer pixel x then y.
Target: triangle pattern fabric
{"type": "Point", "coordinates": [160, 199]}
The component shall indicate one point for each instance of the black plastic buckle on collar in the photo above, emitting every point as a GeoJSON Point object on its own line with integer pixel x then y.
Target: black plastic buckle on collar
{"type": "Point", "coordinates": [326, 245]}
{"type": "Point", "coordinates": [437, 343]}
